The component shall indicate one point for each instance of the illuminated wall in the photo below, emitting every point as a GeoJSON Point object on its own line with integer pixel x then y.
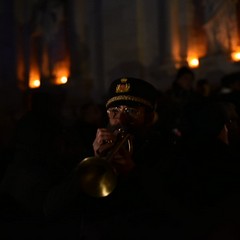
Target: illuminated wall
{"type": "Point", "coordinates": [92, 42]}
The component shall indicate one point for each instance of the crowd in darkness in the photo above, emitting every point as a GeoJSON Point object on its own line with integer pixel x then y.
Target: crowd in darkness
{"type": "Point", "coordinates": [199, 125]}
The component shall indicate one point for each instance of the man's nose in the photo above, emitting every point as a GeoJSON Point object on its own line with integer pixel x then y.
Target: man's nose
{"type": "Point", "coordinates": [123, 118]}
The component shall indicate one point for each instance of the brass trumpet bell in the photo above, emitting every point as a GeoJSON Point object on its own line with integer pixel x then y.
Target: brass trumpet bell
{"type": "Point", "coordinates": [97, 177]}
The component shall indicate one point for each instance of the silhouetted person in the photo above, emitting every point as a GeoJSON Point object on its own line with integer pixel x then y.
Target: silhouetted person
{"type": "Point", "coordinates": [176, 101]}
{"type": "Point", "coordinates": [39, 142]}
{"type": "Point", "coordinates": [210, 172]}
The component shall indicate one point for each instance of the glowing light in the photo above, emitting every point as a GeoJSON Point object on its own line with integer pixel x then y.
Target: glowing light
{"type": "Point", "coordinates": [34, 81]}
{"type": "Point", "coordinates": [235, 56]}
{"type": "Point", "coordinates": [193, 62]}
{"type": "Point", "coordinates": [64, 79]}
{"type": "Point", "coordinates": [61, 72]}
{"type": "Point", "coordinates": [61, 80]}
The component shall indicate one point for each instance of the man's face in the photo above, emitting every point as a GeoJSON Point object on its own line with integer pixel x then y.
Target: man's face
{"type": "Point", "coordinates": [132, 118]}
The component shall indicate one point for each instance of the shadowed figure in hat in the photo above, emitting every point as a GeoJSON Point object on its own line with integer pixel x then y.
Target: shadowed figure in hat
{"type": "Point", "coordinates": [129, 210]}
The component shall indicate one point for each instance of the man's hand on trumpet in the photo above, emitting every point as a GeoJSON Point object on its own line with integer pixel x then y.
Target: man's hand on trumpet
{"type": "Point", "coordinates": [105, 142]}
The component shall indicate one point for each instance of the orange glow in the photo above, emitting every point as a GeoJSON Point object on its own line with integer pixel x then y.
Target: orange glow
{"type": "Point", "coordinates": [236, 56]}
{"type": "Point", "coordinates": [193, 62]}
{"type": "Point", "coordinates": [61, 80]}
{"type": "Point", "coordinates": [61, 73]}
{"type": "Point", "coordinates": [34, 81]}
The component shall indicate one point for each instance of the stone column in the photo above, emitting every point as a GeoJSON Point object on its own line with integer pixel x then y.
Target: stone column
{"type": "Point", "coordinates": [168, 36]}
{"type": "Point", "coordinates": [184, 29]}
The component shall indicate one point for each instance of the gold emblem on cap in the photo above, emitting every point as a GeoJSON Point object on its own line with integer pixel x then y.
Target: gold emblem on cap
{"type": "Point", "coordinates": [123, 86]}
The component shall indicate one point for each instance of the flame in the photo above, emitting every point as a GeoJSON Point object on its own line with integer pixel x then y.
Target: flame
{"type": "Point", "coordinates": [236, 56]}
{"type": "Point", "coordinates": [34, 79]}
{"type": "Point", "coordinates": [193, 62]}
{"type": "Point", "coordinates": [61, 72]}
{"type": "Point", "coordinates": [62, 79]}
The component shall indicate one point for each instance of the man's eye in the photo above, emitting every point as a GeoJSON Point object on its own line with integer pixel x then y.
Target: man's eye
{"type": "Point", "coordinates": [128, 110]}
{"type": "Point", "coordinates": [131, 111]}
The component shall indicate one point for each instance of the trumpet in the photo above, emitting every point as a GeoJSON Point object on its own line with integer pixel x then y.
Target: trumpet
{"type": "Point", "coordinates": [98, 178]}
